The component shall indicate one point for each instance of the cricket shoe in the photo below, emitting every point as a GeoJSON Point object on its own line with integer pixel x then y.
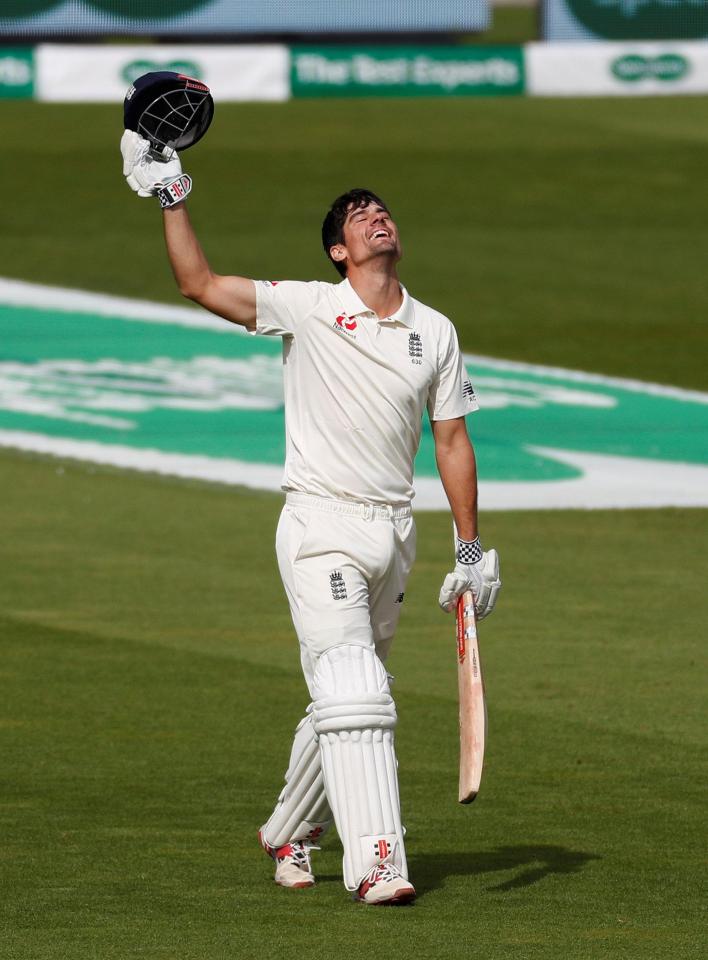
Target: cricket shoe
{"type": "Point", "coordinates": [292, 862]}
{"type": "Point", "coordinates": [385, 886]}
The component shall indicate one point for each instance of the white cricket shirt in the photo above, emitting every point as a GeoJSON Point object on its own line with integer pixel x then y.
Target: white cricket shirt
{"type": "Point", "coordinates": [356, 387]}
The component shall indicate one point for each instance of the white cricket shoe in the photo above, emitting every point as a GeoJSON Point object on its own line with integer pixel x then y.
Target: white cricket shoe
{"type": "Point", "coordinates": [292, 863]}
{"type": "Point", "coordinates": [384, 885]}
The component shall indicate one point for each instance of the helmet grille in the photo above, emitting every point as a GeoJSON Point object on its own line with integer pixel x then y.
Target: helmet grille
{"type": "Point", "coordinates": [175, 120]}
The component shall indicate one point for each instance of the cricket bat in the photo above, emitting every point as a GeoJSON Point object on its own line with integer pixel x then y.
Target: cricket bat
{"type": "Point", "coordinates": [473, 706]}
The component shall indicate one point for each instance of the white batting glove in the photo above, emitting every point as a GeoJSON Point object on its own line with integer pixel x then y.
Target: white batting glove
{"type": "Point", "coordinates": [477, 571]}
{"type": "Point", "coordinates": [152, 178]}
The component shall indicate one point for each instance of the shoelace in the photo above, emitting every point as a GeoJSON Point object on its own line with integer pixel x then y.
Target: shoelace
{"type": "Point", "coordinates": [382, 872]}
{"type": "Point", "coordinates": [301, 854]}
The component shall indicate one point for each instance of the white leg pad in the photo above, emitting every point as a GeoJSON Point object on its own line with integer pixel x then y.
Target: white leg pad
{"type": "Point", "coordinates": [354, 718]}
{"type": "Point", "coordinates": [302, 811]}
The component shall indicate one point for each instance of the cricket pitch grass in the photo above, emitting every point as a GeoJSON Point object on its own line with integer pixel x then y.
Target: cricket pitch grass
{"type": "Point", "coordinates": [150, 674]}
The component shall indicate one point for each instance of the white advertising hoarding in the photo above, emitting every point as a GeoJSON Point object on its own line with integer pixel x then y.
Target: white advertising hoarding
{"type": "Point", "coordinates": [73, 73]}
{"type": "Point", "coordinates": [619, 69]}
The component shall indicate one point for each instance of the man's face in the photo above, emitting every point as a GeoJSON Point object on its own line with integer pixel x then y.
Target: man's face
{"type": "Point", "coordinates": [369, 232]}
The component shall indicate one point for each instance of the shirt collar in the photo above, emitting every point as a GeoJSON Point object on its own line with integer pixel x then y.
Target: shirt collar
{"type": "Point", "coordinates": [355, 306]}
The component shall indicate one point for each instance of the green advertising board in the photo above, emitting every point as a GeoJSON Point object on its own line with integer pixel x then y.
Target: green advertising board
{"type": "Point", "coordinates": [335, 71]}
{"type": "Point", "coordinates": [16, 72]}
{"type": "Point", "coordinates": [625, 19]}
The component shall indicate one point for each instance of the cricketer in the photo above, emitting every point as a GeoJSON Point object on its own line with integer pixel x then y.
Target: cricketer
{"type": "Point", "coordinates": [362, 363]}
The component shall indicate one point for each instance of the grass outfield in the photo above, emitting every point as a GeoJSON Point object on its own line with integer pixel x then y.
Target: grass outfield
{"type": "Point", "coordinates": [144, 635]}
{"type": "Point", "coordinates": [144, 628]}
{"type": "Point", "coordinates": [563, 232]}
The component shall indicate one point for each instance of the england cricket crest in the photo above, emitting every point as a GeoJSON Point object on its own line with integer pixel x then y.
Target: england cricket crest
{"type": "Point", "coordinates": [337, 585]}
{"type": "Point", "coordinates": [415, 348]}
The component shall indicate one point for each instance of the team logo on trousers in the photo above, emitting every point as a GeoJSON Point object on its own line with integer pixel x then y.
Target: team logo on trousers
{"type": "Point", "coordinates": [337, 585]}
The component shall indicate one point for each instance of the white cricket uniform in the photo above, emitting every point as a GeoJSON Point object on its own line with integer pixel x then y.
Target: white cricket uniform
{"type": "Point", "coordinates": [356, 389]}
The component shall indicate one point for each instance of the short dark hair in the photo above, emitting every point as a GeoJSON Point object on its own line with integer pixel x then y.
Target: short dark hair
{"type": "Point", "coordinates": [333, 224]}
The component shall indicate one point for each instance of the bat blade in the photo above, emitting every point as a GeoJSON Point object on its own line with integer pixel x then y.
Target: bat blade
{"type": "Point", "coordinates": [473, 706]}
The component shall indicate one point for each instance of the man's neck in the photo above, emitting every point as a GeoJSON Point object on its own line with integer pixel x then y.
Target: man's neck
{"type": "Point", "coordinates": [380, 292]}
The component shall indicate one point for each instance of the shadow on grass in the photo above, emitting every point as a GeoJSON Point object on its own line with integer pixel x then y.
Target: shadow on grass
{"type": "Point", "coordinates": [430, 870]}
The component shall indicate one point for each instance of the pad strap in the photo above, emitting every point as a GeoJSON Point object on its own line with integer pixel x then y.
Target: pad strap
{"type": "Point", "coordinates": [360, 712]}
{"type": "Point", "coordinates": [174, 191]}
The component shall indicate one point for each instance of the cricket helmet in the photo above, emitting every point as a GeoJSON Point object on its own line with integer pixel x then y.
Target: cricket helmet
{"type": "Point", "coordinates": [169, 109]}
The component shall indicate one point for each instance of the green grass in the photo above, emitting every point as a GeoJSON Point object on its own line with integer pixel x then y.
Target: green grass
{"type": "Point", "coordinates": [150, 680]}
{"type": "Point", "coordinates": [564, 232]}
{"type": "Point", "coordinates": [151, 683]}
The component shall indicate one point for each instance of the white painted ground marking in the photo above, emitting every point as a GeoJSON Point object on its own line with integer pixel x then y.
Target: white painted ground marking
{"type": "Point", "coordinates": [19, 293]}
{"type": "Point", "coordinates": [73, 389]}
{"type": "Point", "coordinates": [642, 483]}
{"type": "Point", "coordinates": [608, 483]}
{"type": "Point", "coordinates": [259, 476]}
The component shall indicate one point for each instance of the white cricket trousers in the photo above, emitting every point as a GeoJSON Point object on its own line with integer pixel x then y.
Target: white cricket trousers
{"type": "Point", "coordinates": [344, 566]}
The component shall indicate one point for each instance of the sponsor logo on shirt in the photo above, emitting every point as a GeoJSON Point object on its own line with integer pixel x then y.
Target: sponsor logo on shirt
{"type": "Point", "coordinates": [468, 391]}
{"type": "Point", "coordinates": [345, 324]}
{"type": "Point", "coordinates": [415, 348]}
{"type": "Point", "coordinates": [271, 283]}
{"type": "Point", "coordinates": [337, 585]}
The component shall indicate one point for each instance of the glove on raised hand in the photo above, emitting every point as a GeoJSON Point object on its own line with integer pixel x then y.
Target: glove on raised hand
{"type": "Point", "coordinates": [476, 571]}
{"type": "Point", "coordinates": [148, 177]}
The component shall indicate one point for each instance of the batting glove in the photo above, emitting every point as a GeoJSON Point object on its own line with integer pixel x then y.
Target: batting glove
{"type": "Point", "coordinates": [477, 571]}
{"type": "Point", "coordinates": [153, 178]}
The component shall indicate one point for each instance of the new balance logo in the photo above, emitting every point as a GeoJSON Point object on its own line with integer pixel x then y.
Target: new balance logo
{"type": "Point", "coordinates": [468, 391]}
{"type": "Point", "coordinates": [399, 598]}
{"type": "Point", "coordinates": [415, 347]}
{"type": "Point", "coordinates": [337, 585]}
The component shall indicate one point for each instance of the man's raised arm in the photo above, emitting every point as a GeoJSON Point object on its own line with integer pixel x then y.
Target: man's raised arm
{"type": "Point", "coordinates": [233, 298]}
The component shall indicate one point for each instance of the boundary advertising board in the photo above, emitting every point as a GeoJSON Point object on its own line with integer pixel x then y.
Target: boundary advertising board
{"type": "Point", "coordinates": [233, 72]}
{"type": "Point", "coordinates": [16, 73]}
{"type": "Point", "coordinates": [406, 71]}
{"type": "Point", "coordinates": [616, 69]}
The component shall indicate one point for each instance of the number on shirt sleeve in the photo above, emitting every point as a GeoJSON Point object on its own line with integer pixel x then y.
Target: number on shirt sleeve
{"type": "Point", "coordinates": [451, 393]}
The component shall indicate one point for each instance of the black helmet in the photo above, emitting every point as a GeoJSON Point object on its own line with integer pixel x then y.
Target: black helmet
{"type": "Point", "coordinates": [168, 109]}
